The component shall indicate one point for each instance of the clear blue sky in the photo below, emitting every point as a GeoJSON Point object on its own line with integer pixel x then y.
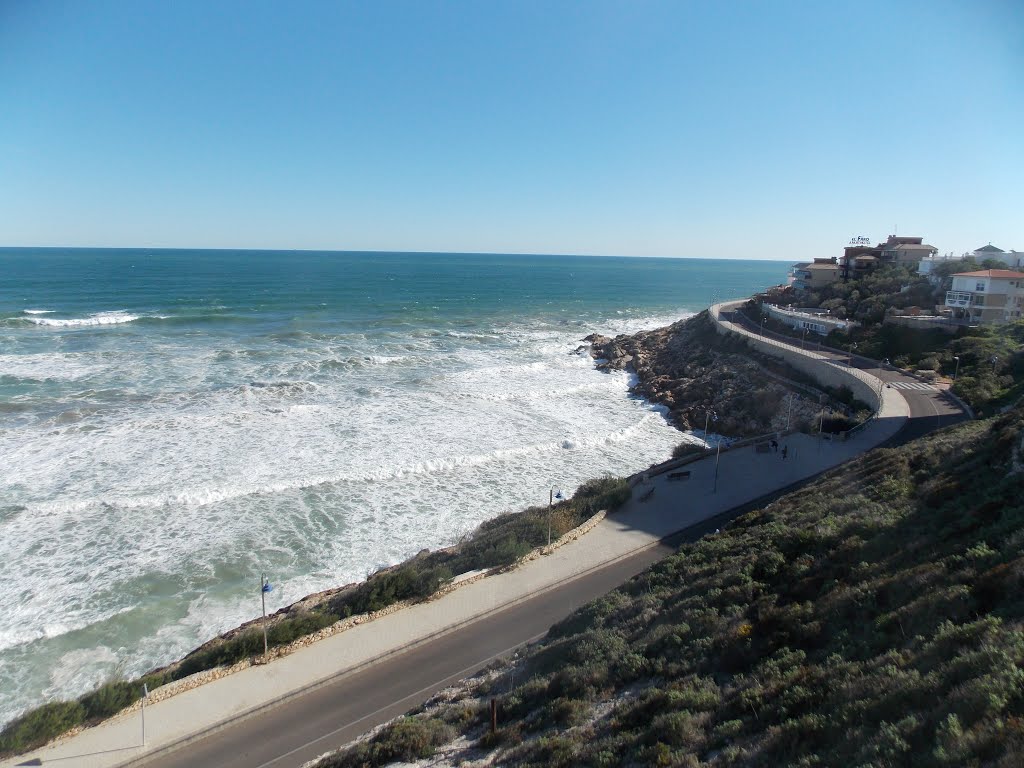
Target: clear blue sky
{"type": "Point", "coordinates": [724, 129]}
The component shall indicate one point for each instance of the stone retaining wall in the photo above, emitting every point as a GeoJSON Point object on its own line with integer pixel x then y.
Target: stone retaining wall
{"type": "Point", "coordinates": [865, 387]}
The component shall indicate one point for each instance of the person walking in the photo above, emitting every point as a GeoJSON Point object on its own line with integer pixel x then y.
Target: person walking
{"type": "Point", "coordinates": [785, 450]}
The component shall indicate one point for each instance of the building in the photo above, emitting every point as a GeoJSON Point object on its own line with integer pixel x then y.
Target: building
{"type": "Point", "coordinates": [987, 296]}
{"type": "Point", "coordinates": [818, 321]}
{"type": "Point", "coordinates": [905, 250]}
{"type": "Point", "coordinates": [860, 257]}
{"type": "Point", "coordinates": [927, 265]}
{"type": "Point", "coordinates": [817, 274]}
{"type": "Point", "coordinates": [1012, 259]}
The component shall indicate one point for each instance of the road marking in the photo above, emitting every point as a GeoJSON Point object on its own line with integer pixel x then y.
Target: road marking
{"type": "Point", "coordinates": [456, 676]}
{"type": "Point", "coordinates": [913, 385]}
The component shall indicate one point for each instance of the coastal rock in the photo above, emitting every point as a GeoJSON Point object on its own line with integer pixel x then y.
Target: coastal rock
{"type": "Point", "coordinates": [691, 370]}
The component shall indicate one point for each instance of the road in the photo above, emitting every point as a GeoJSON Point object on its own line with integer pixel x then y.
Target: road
{"type": "Point", "coordinates": [930, 407]}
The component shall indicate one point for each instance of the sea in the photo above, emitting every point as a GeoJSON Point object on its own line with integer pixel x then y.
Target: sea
{"type": "Point", "coordinates": [176, 423]}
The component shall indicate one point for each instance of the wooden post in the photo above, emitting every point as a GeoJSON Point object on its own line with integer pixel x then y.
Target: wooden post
{"type": "Point", "coordinates": [494, 715]}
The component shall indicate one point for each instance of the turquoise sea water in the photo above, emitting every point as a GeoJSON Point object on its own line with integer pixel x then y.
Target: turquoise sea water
{"type": "Point", "coordinates": [172, 423]}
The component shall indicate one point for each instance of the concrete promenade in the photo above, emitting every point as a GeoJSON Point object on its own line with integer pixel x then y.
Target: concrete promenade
{"type": "Point", "coordinates": [658, 507]}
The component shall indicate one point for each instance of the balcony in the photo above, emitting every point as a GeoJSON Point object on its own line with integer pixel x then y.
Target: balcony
{"type": "Point", "coordinates": [959, 298]}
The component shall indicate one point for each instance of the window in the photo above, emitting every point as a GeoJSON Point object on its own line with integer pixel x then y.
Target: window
{"type": "Point", "coordinates": [979, 287]}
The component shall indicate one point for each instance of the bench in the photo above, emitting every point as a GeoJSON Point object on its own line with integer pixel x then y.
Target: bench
{"type": "Point", "coordinates": [679, 475]}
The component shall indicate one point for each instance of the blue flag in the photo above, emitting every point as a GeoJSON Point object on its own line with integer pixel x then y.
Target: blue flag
{"type": "Point", "coordinates": [268, 587]}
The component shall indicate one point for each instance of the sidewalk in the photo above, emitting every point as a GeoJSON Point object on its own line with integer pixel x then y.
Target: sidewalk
{"type": "Point", "coordinates": [743, 475]}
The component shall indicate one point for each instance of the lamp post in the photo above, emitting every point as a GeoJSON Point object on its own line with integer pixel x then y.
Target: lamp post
{"type": "Point", "coordinates": [708, 414]}
{"type": "Point", "coordinates": [853, 346]}
{"type": "Point", "coordinates": [789, 413]}
{"type": "Point", "coordinates": [803, 338]}
{"type": "Point", "coordinates": [956, 370]}
{"type": "Point", "coordinates": [994, 359]}
{"type": "Point", "coordinates": [145, 695]}
{"type": "Point", "coordinates": [764, 319]}
{"type": "Point", "coordinates": [718, 454]}
{"type": "Point", "coordinates": [552, 495]}
{"type": "Point", "coordinates": [265, 586]}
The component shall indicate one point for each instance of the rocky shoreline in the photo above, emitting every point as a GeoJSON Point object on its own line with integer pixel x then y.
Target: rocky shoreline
{"type": "Point", "coordinates": [691, 370]}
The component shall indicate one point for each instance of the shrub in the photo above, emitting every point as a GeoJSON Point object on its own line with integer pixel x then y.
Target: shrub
{"type": "Point", "coordinates": [37, 727]}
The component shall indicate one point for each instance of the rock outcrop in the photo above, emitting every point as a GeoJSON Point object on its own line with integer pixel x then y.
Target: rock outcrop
{"type": "Point", "coordinates": [691, 370]}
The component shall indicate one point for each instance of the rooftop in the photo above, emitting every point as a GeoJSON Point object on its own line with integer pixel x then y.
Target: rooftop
{"type": "Point", "coordinates": [989, 249]}
{"type": "Point", "coordinates": [913, 247]}
{"type": "Point", "coordinates": [999, 274]}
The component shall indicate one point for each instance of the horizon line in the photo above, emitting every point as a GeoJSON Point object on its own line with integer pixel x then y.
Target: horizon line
{"type": "Point", "coordinates": [369, 251]}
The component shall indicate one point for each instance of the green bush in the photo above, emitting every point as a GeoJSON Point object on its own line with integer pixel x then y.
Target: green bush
{"type": "Point", "coordinates": [37, 727]}
{"type": "Point", "coordinates": [405, 740]}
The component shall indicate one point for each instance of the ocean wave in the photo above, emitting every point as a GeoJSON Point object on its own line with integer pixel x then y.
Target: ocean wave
{"type": "Point", "coordinates": [38, 311]}
{"type": "Point", "coordinates": [99, 318]}
{"type": "Point", "coordinates": [279, 387]}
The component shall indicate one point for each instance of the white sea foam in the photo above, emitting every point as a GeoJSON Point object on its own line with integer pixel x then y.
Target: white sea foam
{"type": "Point", "coordinates": [38, 311]}
{"type": "Point", "coordinates": [99, 318]}
{"type": "Point", "coordinates": [199, 469]}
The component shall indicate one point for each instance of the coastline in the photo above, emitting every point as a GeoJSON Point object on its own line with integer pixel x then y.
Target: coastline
{"type": "Point", "coordinates": [622, 530]}
{"type": "Point", "coordinates": [695, 361]}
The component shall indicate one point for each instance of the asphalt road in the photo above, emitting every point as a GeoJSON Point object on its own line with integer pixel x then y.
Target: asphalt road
{"type": "Point", "coordinates": [930, 409]}
{"type": "Point", "coordinates": [338, 711]}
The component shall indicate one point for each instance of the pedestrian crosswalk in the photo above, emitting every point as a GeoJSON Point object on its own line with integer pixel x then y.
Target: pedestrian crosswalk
{"type": "Point", "coordinates": [913, 385]}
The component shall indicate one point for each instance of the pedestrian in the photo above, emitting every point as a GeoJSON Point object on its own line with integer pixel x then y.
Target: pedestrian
{"type": "Point", "coordinates": [775, 445]}
{"type": "Point", "coordinates": [785, 450]}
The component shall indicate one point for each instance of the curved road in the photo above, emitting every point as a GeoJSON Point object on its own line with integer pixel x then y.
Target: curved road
{"type": "Point", "coordinates": [340, 710]}
{"type": "Point", "coordinates": [930, 407]}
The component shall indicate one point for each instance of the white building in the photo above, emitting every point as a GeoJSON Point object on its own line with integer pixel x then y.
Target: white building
{"type": "Point", "coordinates": [1011, 258]}
{"type": "Point", "coordinates": [987, 296]}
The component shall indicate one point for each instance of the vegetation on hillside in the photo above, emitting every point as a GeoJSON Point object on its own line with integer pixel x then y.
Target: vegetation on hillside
{"type": "Point", "coordinates": [497, 542]}
{"type": "Point", "coordinates": [873, 618]}
{"type": "Point", "coordinates": [990, 372]}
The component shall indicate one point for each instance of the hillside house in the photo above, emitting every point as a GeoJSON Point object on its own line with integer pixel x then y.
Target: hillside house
{"type": "Point", "coordinates": [817, 274]}
{"type": "Point", "coordinates": [860, 258]}
{"type": "Point", "coordinates": [1012, 259]}
{"type": "Point", "coordinates": [905, 250]}
{"type": "Point", "coordinates": [987, 296]}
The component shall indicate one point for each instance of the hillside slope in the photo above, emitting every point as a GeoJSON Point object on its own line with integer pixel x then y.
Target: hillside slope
{"type": "Point", "coordinates": [871, 618]}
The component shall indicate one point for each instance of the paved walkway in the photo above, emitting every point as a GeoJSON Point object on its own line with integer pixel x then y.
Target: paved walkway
{"type": "Point", "coordinates": [743, 475]}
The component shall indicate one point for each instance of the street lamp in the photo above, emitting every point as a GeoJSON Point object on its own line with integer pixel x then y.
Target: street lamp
{"type": "Point", "coordinates": [994, 359]}
{"type": "Point", "coordinates": [853, 346]}
{"type": "Point", "coordinates": [803, 338]}
{"type": "Point", "coordinates": [552, 495]}
{"type": "Point", "coordinates": [265, 586]}
{"type": "Point", "coordinates": [764, 319]}
{"type": "Point", "coordinates": [708, 414]}
{"type": "Point", "coordinates": [718, 454]}
{"type": "Point", "coordinates": [956, 370]}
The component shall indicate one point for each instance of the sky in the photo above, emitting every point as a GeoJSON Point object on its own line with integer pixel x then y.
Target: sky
{"type": "Point", "coordinates": [735, 129]}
